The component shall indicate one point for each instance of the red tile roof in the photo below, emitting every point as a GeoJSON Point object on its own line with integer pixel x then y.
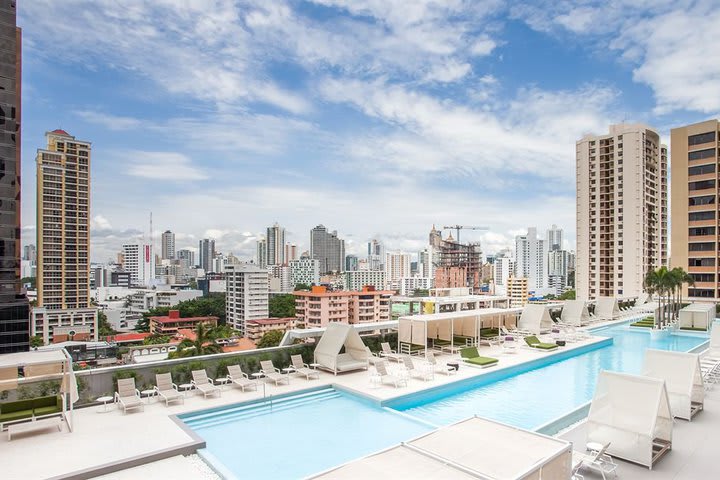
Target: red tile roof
{"type": "Point", "coordinates": [243, 344]}
{"type": "Point", "coordinates": [61, 132]}
{"type": "Point", "coordinates": [187, 333]}
{"type": "Point", "coordinates": [127, 337]}
{"type": "Point", "coordinates": [175, 320]}
{"type": "Point", "coordinates": [271, 321]}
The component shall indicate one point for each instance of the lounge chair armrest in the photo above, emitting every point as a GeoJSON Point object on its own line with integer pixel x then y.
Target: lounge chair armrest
{"type": "Point", "coordinates": [175, 387]}
{"type": "Point", "coordinates": [277, 370]}
{"type": "Point", "coordinates": [157, 390]}
{"type": "Point", "coordinates": [306, 365]}
{"type": "Point", "coordinates": [210, 381]}
{"type": "Point", "coordinates": [137, 392]}
{"type": "Point", "coordinates": [116, 397]}
{"type": "Point", "coordinates": [246, 375]}
{"type": "Point", "coordinates": [192, 382]}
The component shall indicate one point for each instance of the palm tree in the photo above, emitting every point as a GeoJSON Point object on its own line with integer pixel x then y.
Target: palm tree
{"type": "Point", "coordinates": [660, 281]}
{"type": "Point", "coordinates": [681, 277]}
{"type": "Point", "coordinates": [202, 345]}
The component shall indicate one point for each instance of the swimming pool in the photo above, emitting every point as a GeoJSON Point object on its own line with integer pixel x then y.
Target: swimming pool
{"type": "Point", "coordinates": [303, 434]}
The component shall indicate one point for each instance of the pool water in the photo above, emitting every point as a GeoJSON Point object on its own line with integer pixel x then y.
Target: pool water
{"type": "Point", "coordinates": [305, 434]}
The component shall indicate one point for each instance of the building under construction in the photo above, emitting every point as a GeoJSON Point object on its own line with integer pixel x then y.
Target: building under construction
{"type": "Point", "coordinates": [456, 264]}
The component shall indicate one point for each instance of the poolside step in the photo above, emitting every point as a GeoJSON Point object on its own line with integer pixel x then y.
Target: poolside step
{"type": "Point", "coordinates": [263, 407]}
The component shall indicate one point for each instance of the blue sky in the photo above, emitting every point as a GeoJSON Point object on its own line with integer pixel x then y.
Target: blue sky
{"type": "Point", "coordinates": [377, 118]}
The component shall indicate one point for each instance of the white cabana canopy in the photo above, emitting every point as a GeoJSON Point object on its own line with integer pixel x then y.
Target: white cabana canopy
{"type": "Point", "coordinates": [535, 319]}
{"type": "Point", "coordinates": [642, 299]}
{"type": "Point", "coordinates": [575, 312]}
{"type": "Point", "coordinates": [632, 412]}
{"type": "Point", "coordinates": [607, 308]}
{"type": "Point", "coordinates": [337, 336]}
{"type": "Point", "coordinates": [683, 379]}
{"type": "Point", "coordinates": [714, 349]}
{"type": "Point", "coordinates": [473, 448]}
{"type": "Point", "coordinates": [697, 316]}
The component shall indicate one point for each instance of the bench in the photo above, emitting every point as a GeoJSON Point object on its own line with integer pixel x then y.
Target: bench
{"type": "Point", "coordinates": [34, 426]}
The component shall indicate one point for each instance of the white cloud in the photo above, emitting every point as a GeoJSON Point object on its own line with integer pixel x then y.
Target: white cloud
{"type": "Point", "coordinates": [170, 166]}
{"type": "Point", "coordinates": [483, 46]}
{"type": "Point", "coordinates": [111, 122]}
{"type": "Point", "coordinates": [450, 71]}
{"type": "Point", "coordinates": [98, 222]}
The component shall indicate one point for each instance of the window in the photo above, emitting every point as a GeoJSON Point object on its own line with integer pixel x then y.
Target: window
{"type": "Point", "coordinates": [701, 231]}
{"type": "Point", "coordinates": [701, 262]}
{"type": "Point", "coordinates": [696, 216]}
{"type": "Point", "coordinates": [704, 200]}
{"type": "Point", "coordinates": [702, 247]}
{"type": "Point", "coordinates": [701, 138]}
{"type": "Point", "coordinates": [701, 185]}
{"type": "Point", "coordinates": [700, 154]}
{"type": "Point", "coordinates": [700, 292]}
{"type": "Point", "coordinates": [703, 277]}
{"type": "Point", "coordinates": [701, 169]}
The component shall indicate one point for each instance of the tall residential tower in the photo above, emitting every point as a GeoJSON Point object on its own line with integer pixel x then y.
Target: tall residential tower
{"type": "Point", "coordinates": [168, 245]}
{"type": "Point", "coordinates": [275, 245]}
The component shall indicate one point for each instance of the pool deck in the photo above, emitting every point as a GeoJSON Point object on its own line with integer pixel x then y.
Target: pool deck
{"type": "Point", "coordinates": [112, 441]}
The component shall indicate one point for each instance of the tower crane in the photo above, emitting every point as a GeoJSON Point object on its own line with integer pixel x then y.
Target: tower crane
{"type": "Point", "coordinates": [457, 229]}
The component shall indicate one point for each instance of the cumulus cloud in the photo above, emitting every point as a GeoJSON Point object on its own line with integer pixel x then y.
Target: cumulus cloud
{"type": "Point", "coordinates": [170, 166]}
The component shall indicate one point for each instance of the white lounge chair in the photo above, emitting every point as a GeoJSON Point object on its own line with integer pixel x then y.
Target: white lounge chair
{"type": "Point", "coordinates": [239, 378]}
{"type": "Point", "coordinates": [203, 384]}
{"type": "Point", "coordinates": [509, 344]}
{"type": "Point", "coordinates": [372, 358]}
{"type": "Point", "coordinates": [439, 367]}
{"type": "Point", "coordinates": [388, 352]}
{"type": "Point", "coordinates": [127, 396]}
{"type": "Point", "coordinates": [166, 389]}
{"type": "Point", "coordinates": [599, 461]}
{"type": "Point", "coordinates": [272, 373]}
{"type": "Point", "coordinates": [386, 377]}
{"type": "Point", "coordinates": [303, 368]}
{"type": "Point", "coordinates": [415, 372]}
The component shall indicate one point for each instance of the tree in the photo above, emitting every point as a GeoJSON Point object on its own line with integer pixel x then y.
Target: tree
{"type": "Point", "coordinates": [282, 306]}
{"type": "Point", "coordinates": [36, 341]}
{"type": "Point", "coordinates": [302, 286]}
{"type": "Point", "coordinates": [212, 306]}
{"type": "Point", "coordinates": [568, 295]}
{"type": "Point", "coordinates": [31, 281]}
{"type": "Point", "coordinates": [421, 292]}
{"type": "Point", "coordinates": [104, 327]}
{"type": "Point", "coordinates": [662, 282]}
{"type": "Point", "coordinates": [271, 339]}
{"type": "Point", "coordinates": [202, 345]}
{"type": "Point", "coordinates": [156, 339]}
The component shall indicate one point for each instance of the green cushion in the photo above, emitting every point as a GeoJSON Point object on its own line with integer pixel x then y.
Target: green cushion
{"type": "Point", "coordinates": [49, 401]}
{"type": "Point", "coordinates": [489, 332]}
{"type": "Point", "coordinates": [438, 341]}
{"type": "Point", "coordinates": [17, 415]}
{"type": "Point", "coordinates": [470, 352]}
{"type": "Point", "coordinates": [545, 346]}
{"type": "Point", "coordinates": [532, 340]}
{"type": "Point", "coordinates": [16, 406]}
{"type": "Point", "coordinates": [483, 361]}
{"type": "Point", "coordinates": [697, 329]}
{"type": "Point", "coordinates": [47, 410]}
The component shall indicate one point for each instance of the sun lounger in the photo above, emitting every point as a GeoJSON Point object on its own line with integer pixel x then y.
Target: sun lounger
{"type": "Point", "coordinates": [127, 396]}
{"type": "Point", "coordinates": [166, 389]}
{"type": "Point", "coordinates": [470, 355]}
{"type": "Point", "coordinates": [533, 342]}
{"type": "Point", "coordinates": [203, 384]}
{"type": "Point", "coordinates": [598, 461]}
{"type": "Point", "coordinates": [388, 352]}
{"type": "Point", "coordinates": [372, 358]}
{"type": "Point", "coordinates": [272, 373]}
{"type": "Point", "coordinates": [387, 377]}
{"type": "Point", "coordinates": [303, 368]}
{"type": "Point", "coordinates": [415, 372]}
{"type": "Point", "coordinates": [439, 367]}
{"type": "Point", "coordinates": [239, 378]}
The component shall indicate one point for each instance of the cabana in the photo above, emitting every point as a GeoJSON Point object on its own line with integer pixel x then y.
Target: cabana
{"type": "Point", "coordinates": [607, 308]}
{"type": "Point", "coordinates": [336, 337]}
{"type": "Point", "coordinates": [575, 313]}
{"type": "Point", "coordinates": [697, 316]}
{"type": "Point", "coordinates": [683, 379]}
{"type": "Point", "coordinates": [714, 350]}
{"type": "Point", "coordinates": [632, 413]}
{"type": "Point", "coordinates": [472, 448]}
{"type": "Point", "coordinates": [535, 319]}
{"type": "Point", "coordinates": [451, 330]}
{"type": "Point", "coordinates": [39, 365]}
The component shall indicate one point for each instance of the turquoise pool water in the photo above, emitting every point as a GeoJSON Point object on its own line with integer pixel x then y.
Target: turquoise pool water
{"type": "Point", "coordinates": [306, 434]}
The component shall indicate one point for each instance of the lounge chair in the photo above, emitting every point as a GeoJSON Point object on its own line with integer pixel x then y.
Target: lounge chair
{"type": "Point", "coordinates": [127, 396]}
{"type": "Point", "coordinates": [166, 389]}
{"type": "Point", "coordinates": [438, 367]}
{"type": "Point", "coordinates": [387, 377]}
{"type": "Point", "coordinates": [303, 368]}
{"type": "Point", "coordinates": [509, 344]}
{"type": "Point", "coordinates": [372, 358]}
{"type": "Point", "coordinates": [533, 342]}
{"type": "Point", "coordinates": [239, 378]}
{"type": "Point", "coordinates": [203, 384]}
{"type": "Point", "coordinates": [413, 371]}
{"type": "Point", "coordinates": [470, 355]}
{"type": "Point", "coordinates": [599, 461]}
{"type": "Point", "coordinates": [272, 373]}
{"type": "Point", "coordinates": [388, 352]}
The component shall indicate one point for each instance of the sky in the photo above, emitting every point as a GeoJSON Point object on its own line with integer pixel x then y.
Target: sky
{"type": "Point", "coordinates": [375, 118]}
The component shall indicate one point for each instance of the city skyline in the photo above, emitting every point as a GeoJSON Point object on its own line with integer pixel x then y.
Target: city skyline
{"type": "Point", "coordinates": [324, 133]}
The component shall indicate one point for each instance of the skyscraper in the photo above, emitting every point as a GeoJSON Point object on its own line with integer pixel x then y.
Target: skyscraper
{"type": "Point", "coordinates": [614, 255]}
{"type": "Point", "coordinates": [290, 252]}
{"type": "Point", "coordinates": [397, 266]}
{"type": "Point", "coordinates": [328, 249]}
{"type": "Point", "coordinates": [694, 206]}
{"type": "Point", "coordinates": [261, 253]}
{"type": "Point", "coordinates": [530, 259]}
{"type": "Point", "coordinates": [376, 255]}
{"type": "Point", "coordinates": [275, 245]}
{"type": "Point", "coordinates": [168, 245]}
{"type": "Point", "coordinates": [247, 295]}
{"type": "Point", "coordinates": [139, 263]}
{"type": "Point", "coordinates": [554, 238]}
{"type": "Point", "coordinates": [63, 239]}
{"type": "Point", "coordinates": [14, 307]}
{"type": "Point", "coordinates": [206, 254]}
{"type": "Point", "coordinates": [186, 258]}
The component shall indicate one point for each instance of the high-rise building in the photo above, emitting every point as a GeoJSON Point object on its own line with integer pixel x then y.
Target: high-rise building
{"type": "Point", "coordinates": [206, 254]}
{"type": "Point", "coordinates": [328, 249]}
{"type": "Point", "coordinates": [425, 263]}
{"type": "Point", "coordinates": [694, 236]}
{"type": "Point", "coordinates": [246, 296]}
{"type": "Point", "coordinates": [280, 279]}
{"type": "Point", "coordinates": [186, 258]}
{"type": "Point", "coordinates": [261, 253]}
{"type": "Point", "coordinates": [517, 291]}
{"type": "Point", "coordinates": [139, 263]}
{"type": "Point", "coordinates": [168, 245]}
{"type": "Point", "coordinates": [558, 261]}
{"type": "Point", "coordinates": [30, 254]}
{"type": "Point", "coordinates": [305, 271]}
{"type": "Point", "coordinates": [554, 238]}
{"type": "Point", "coordinates": [530, 259]}
{"type": "Point", "coordinates": [351, 263]}
{"type": "Point", "coordinates": [14, 307]}
{"type": "Point", "coordinates": [290, 252]}
{"type": "Point", "coordinates": [397, 266]}
{"type": "Point", "coordinates": [275, 245]}
{"type": "Point", "coordinates": [504, 267]}
{"type": "Point", "coordinates": [357, 280]}
{"type": "Point", "coordinates": [63, 238]}
{"type": "Point", "coordinates": [614, 255]}
{"type": "Point", "coordinates": [376, 255]}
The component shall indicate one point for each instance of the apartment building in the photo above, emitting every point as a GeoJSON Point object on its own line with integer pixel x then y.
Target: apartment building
{"type": "Point", "coordinates": [255, 329]}
{"type": "Point", "coordinates": [305, 271]}
{"type": "Point", "coordinates": [247, 295]}
{"type": "Point", "coordinates": [622, 210]}
{"type": "Point", "coordinates": [397, 266]}
{"type": "Point", "coordinates": [319, 307]}
{"type": "Point", "coordinates": [148, 299]}
{"type": "Point", "coordinates": [168, 245]}
{"type": "Point", "coordinates": [171, 323]}
{"type": "Point", "coordinates": [517, 291]}
{"type": "Point", "coordinates": [361, 278]}
{"type": "Point", "coordinates": [206, 254]}
{"type": "Point", "coordinates": [530, 259]}
{"type": "Point", "coordinates": [694, 206]}
{"type": "Point", "coordinates": [139, 263]}
{"type": "Point", "coordinates": [276, 245]}
{"type": "Point", "coordinates": [408, 285]}
{"type": "Point", "coordinates": [328, 249]}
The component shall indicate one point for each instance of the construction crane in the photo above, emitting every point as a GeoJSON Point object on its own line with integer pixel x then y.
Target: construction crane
{"type": "Point", "coordinates": [457, 229]}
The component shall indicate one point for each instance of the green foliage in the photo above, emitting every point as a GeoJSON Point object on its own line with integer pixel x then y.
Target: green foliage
{"type": "Point", "coordinates": [156, 339]}
{"type": "Point", "coordinates": [31, 280]}
{"type": "Point", "coordinates": [202, 345]}
{"type": "Point", "coordinates": [270, 339]}
{"type": "Point", "coordinates": [373, 341]}
{"type": "Point", "coordinates": [214, 306]}
{"type": "Point", "coordinates": [282, 306]}
{"type": "Point", "coordinates": [302, 286]}
{"type": "Point", "coordinates": [421, 292]}
{"type": "Point", "coordinates": [104, 327]}
{"type": "Point", "coordinates": [36, 341]}
{"type": "Point", "coordinates": [39, 389]}
{"type": "Point", "coordinates": [569, 295]}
